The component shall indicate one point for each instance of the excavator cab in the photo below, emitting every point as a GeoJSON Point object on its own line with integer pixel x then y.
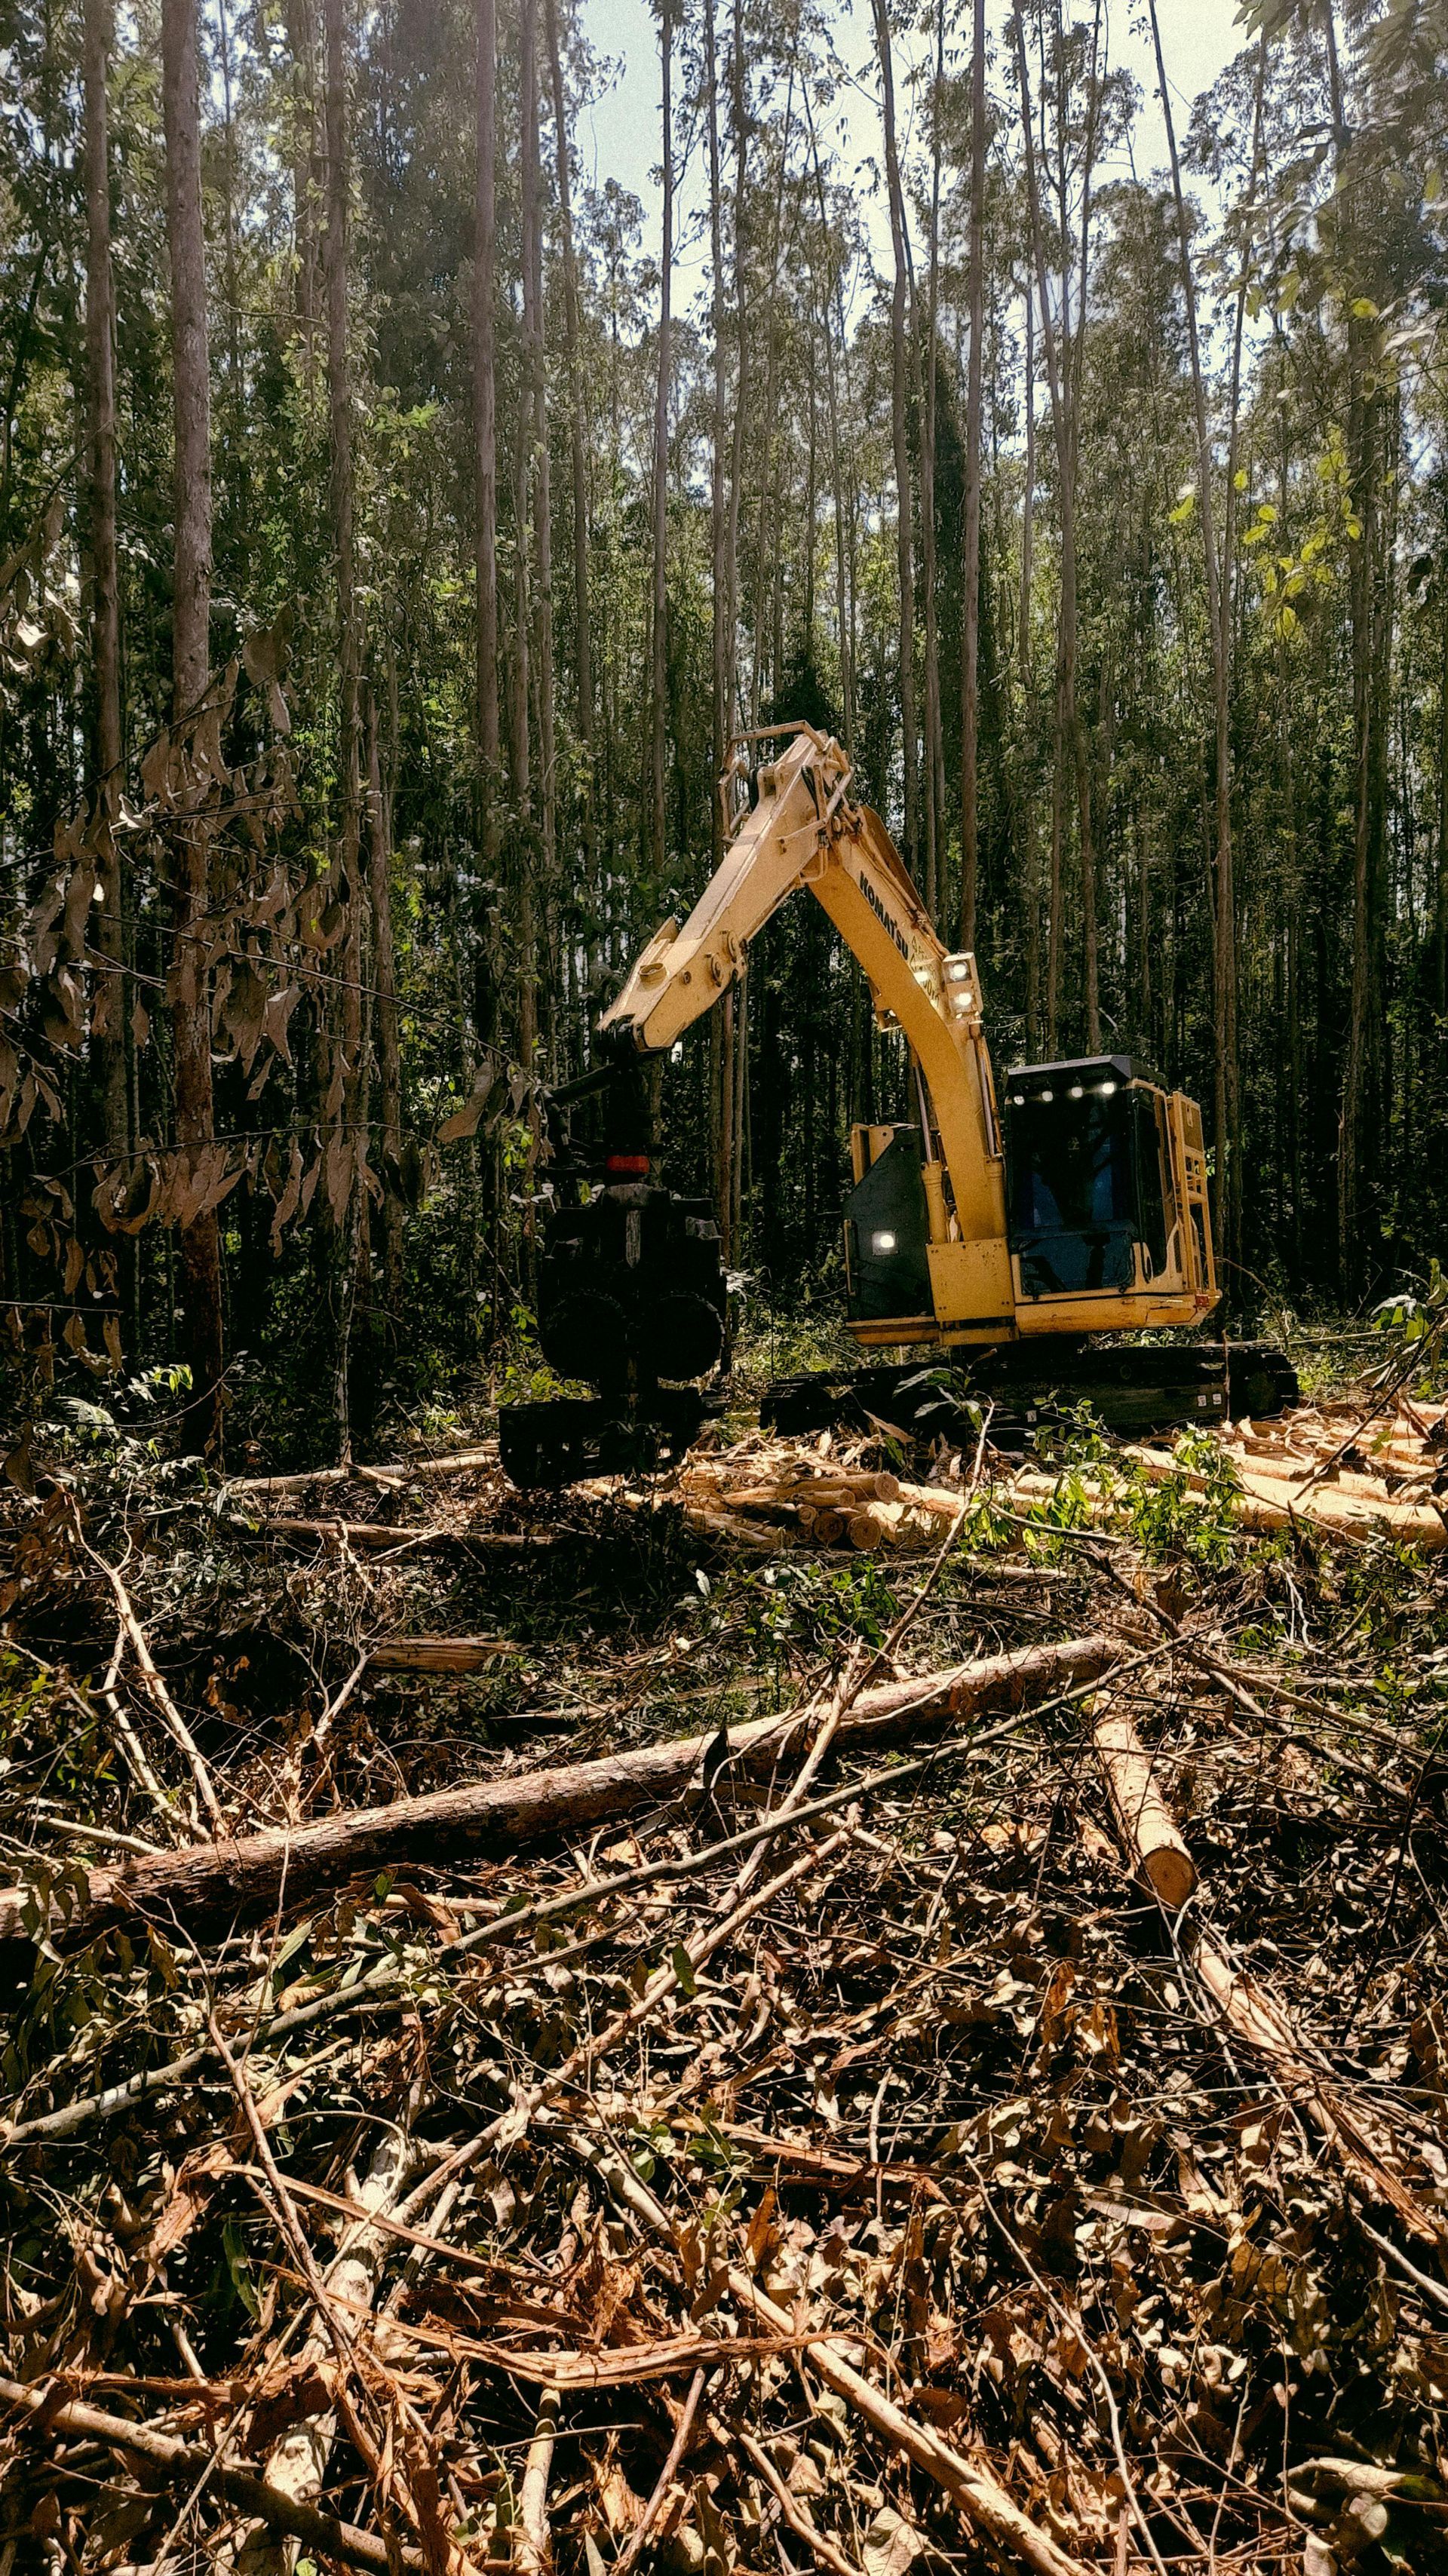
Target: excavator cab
{"type": "Point", "coordinates": [1093, 1201]}
{"type": "Point", "coordinates": [1104, 1187]}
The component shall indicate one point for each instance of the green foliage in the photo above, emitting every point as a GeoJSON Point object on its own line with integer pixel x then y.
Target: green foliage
{"type": "Point", "coordinates": [1179, 1517]}
{"type": "Point", "coordinates": [1415, 1323]}
{"type": "Point", "coordinates": [802, 1604]}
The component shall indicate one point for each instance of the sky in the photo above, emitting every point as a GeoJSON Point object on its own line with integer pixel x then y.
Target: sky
{"type": "Point", "coordinates": [618, 136]}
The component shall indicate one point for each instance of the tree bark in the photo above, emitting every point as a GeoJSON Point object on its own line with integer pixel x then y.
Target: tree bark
{"type": "Point", "coordinates": [927, 377]}
{"type": "Point", "coordinates": [659, 663]}
{"type": "Point", "coordinates": [1219, 615]}
{"type": "Point", "coordinates": [343, 1149]}
{"type": "Point", "coordinates": [578, 439]}
{"type": "Point", "coordinates": [900, 326]}
{"type": "Point", "coordinates": [723, 1024]}
{"type": "Point", "coordinates": [1060, 381]}
{"type": "Point", "coordinates": [739, 116]}
{"type": "Point", "coordinates": [970, 613]}
{"type": "Point", "coordinates": [1025, 662]}
{"type": "Point", "coordinates": [389, 1045]}
{"type": "Point", "coordinates": [110, 1041]}
{"type": "Point", "coordinates": [826, 291]}
{"type": "Point", "coordinates": [1362, 445]}
{"type": "Point", "coordinates": [485, 438]}
{"type": "Point", "coordinates": [530, 175]}
{"type": "Point", "coordinates": [1439, 986]}
{"type": "Point", "coordinates": [188, 983]}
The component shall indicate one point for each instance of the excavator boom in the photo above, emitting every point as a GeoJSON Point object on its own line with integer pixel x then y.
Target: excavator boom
{"type": "Point", "coordinates": [806, 831]}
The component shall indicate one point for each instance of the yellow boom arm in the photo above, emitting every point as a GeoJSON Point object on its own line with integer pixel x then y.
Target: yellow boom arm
{"type": "Point", "coordinates": [805, 830]}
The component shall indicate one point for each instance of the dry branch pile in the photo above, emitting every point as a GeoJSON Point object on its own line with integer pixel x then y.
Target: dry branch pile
{"type": "Point", "coordinates": [955, 2075]}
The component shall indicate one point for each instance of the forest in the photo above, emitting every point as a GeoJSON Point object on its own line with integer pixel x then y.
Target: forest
{"type": "Point", "coordinates": [395, 535]}
{"type": "Point", "coordinates": [686, 1887]}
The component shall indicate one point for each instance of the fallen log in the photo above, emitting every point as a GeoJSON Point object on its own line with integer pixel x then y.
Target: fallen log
{"type": "Point", "coordinates": [1351, 1508]}
{"type": "Point", "coordinates": [385, 1989]}
{"type": "Point", "coordinates": [238, 1879]}
{"type": "Point", "coordinates": [376, 1534]}
{"type": "Point", "coordinates": [435, 1654]}
{"type": "Point", "coordinates": [1145, 1821]}
{"type": "Point", "coordinates": [1265, 1503]}
{"type": "Point", "coordinates": [453, 1462]}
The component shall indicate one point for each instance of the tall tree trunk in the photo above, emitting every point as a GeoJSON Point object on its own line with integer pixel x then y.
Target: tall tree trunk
{"type": "Point", "coordinates": [659, 681]}
{"type": "Point", "coordinates": [1219, 616]}
{"type": "Point", "coordinates": [724, 1021]}
{"type": "Point", "coordinates": [1362, 444]}
{"type": "Point", "coordinates": [739, 115]}
{"type": "Point", "coordinates": [970, 614]}
{"type": "Point", "coordinates": [926, 387]}
{"type": "Point", "coordinates": [825, 297]}
{"type": "Point", "coordinates": [1439, 983]}
{"type": "Point", "coordinates": [1070, 732]}
{"type": "Point", "coordinates": [542, 501]}
{"type": "Point", "coordinates": [578, 439]}
{"type": "Point", "coordinates": [900, 325]}
{"type": "Point", "coordinates": [485, 436]}
{"type": "Point", "coordinates": [189, 979]}
{"type": "Point", "coordinates": [1031, 888]}
{"type": "Point", "coordinates": [389, 1044]}
{"type": "Point", "coordinates": [101, 530]}
{"type": "Point", "coordinates": [718, 519]}
{"type": "Point", "coordinates": [343, 1151]}
{"type": "Point", "coordinates": [302, 121]}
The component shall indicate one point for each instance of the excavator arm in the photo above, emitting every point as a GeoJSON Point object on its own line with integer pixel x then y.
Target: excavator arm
{"type": "Point", "coordinates": [805, 830]}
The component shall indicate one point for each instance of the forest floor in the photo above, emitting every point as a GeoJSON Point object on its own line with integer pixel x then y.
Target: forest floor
{"type": "Point", "coordinates": [923, 2049]}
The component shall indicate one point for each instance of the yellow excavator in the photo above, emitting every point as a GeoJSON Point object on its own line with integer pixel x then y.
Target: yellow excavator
{"type": "Point", "coordinates": [1002, 1237]}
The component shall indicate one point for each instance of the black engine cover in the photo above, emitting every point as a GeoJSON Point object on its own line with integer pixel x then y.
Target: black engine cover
{"type": "Point", "coordinates": [631, 1288]}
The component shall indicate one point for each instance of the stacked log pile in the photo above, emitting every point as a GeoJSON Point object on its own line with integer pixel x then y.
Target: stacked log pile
{"type": "Point", "coordinates": [1326, 1467]}
{"type": "Point", "coordinates": [762, 1488]}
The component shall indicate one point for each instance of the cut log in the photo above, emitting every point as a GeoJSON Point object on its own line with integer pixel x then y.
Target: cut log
{"type": "Point", "coordinates": [1141, 1812]}
{"type": "Point", "coordinates": [373, 1534]}
{"type": "Point", "coordinates": [243, 1878]}
{"type": "Point", "coordinates": [436, 1654]}
{"type": "Point", "coordinates": [454, 1462]}
{"type": "Point", "coordinates": [1266, 1503]}
{"type": "Point", "coordinates": [1253, 2014]}
{"type": "Point", "coordinates": [878, 1525]}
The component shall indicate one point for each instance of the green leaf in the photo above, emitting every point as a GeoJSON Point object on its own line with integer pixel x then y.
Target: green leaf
{"type": "Point", "coordinates": [233, 2246]}
{"type": "Point", "coordinates": [683, 1967]}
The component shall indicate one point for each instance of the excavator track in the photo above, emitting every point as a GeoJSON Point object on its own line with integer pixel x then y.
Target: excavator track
{"type": "Point", "coordinates": [1032, 1388]}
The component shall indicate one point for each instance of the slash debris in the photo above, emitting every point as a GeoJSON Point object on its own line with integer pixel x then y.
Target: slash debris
{"type": "Point", "coordinates": [949, 2067]}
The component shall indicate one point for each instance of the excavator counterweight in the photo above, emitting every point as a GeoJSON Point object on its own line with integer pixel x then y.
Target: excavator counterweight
{"type": "Point", "coordinates": [1006, 1234]}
